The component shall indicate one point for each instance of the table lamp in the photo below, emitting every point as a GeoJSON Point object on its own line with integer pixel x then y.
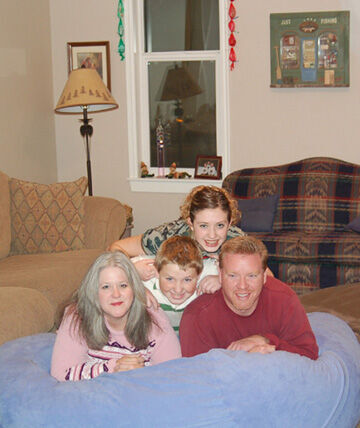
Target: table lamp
{"type": "Point", "coordinates": [179, 84]}
{"type": "Point", "coordinates": [85, 92]}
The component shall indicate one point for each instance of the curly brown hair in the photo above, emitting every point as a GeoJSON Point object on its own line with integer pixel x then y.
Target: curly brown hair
{"type": "Point", "coordinates": [204, 197]}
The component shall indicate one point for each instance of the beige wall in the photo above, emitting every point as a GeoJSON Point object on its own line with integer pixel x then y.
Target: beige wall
{"type": "Point", "coordinates": [267, 126]}
{"type": "Point", "coordinates": [84, 20]}
{"type": "Point", "coordinates": [273, 126]}
{"type": "Point", "coordinates": [27, 135]}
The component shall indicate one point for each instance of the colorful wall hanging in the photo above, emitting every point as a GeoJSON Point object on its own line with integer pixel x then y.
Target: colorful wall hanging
{"type": "Point", "coordinates": [232, 39]}
{"type": "Point", "coordinates": [121, 45]}
{"type": "Point", "coordinates": [309, 49]}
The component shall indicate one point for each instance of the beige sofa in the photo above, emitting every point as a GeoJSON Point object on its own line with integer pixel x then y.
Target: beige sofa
{"type": "Point", "coordinates": [36, 280]}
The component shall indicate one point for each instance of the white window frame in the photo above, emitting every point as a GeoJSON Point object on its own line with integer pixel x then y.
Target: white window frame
{"type": "Point", "coordinates": [137, 100]}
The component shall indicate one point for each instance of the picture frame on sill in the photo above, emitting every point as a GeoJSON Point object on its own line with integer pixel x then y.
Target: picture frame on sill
{"type": "Point", "coordinates": [208, 167]}
{"type": "Point", "coordinates": [91, 55]}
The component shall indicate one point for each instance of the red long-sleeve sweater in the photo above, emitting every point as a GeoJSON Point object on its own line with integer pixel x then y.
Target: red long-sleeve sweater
{"type": "Point", "coordinates": [209, 323]}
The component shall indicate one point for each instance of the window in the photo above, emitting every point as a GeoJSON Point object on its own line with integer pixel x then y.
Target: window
{"type": "Point", "coordinates": [177, 74]}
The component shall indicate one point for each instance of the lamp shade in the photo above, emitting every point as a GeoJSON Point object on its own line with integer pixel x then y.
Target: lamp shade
{"type": "Point", "coordinates": [85, 88]}
{"type": "Point", "coordinates": [179, 84]}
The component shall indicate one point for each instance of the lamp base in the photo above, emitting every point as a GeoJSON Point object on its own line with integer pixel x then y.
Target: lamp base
{"type": "Point", "coordinates": [86, 130]}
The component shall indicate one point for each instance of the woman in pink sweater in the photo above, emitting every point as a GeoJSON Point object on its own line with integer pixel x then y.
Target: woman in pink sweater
{"type": "Point", "coordinates": [108, 328]}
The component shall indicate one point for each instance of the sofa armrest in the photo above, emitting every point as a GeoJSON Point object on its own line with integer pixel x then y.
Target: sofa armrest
{"type": "Point", "coordinates": [105, 221]}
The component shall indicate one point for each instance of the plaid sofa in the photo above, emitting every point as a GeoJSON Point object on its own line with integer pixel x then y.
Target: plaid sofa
{"type": "Point", "coordinates": [311, 245]}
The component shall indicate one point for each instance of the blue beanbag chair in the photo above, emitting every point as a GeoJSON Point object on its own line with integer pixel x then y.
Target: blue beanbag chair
{"type": "Point", "coordinates": [218, 389]}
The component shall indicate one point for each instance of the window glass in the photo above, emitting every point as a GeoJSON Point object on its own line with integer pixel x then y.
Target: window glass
{"type": "Point", "coordinates": [181, 25]}
{"type": "Point", "coordinates": [182, 101]}
{"type": "Point", "coordinates": [177, 81]}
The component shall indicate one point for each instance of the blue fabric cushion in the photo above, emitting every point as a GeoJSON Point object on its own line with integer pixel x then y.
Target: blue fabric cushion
{"type": "Point", "coordinates": [257, 215]}
{"type": "Point", "coordinates": [355, 225]}
{"type": "Point", "coordinates": [218, 389]}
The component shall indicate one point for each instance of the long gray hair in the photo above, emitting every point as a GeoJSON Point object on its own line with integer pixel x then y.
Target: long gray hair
{"type": "Point", "coordinates": [88, 316]}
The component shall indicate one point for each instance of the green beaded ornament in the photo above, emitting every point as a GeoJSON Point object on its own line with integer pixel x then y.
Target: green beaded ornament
{"type": "Point", "coordinates": [121, 45]}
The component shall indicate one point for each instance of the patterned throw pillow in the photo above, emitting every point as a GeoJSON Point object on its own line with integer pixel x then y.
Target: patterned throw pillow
{"type": "Point", "coordinates": [46, 218]}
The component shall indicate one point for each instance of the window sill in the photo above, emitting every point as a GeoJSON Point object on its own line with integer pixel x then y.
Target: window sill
{"type": "Point", "coordinates": [166, 185]}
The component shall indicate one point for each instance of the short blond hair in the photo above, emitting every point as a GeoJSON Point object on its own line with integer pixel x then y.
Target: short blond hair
{"type": "Point", "coordinates": [244, 245]}
{"type": "Point", "coordinates": [204, 197]}
{"type": "Point", "coordinates": [182, 251]}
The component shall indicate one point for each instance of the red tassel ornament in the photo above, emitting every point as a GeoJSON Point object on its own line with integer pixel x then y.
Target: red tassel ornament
{"type": "Point", "coordinates": [232, 10]}
{"type": "Point", "coordinates": [232, 58]}
{"type": "Point", "coordinates": [232, 39]}
{"type": "Point", "coordinates": [231, 25]}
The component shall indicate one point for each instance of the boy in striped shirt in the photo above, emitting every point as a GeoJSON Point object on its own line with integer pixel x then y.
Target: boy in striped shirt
{"type": "Point", "coordinates": [180, 268]}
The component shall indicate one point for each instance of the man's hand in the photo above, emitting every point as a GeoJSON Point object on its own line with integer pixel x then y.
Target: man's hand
{"type": "Point", "coordinates": [129, 362]}
{"type": "Point", "coordinates": [255, 343]}
{"type": "Point", "coordinates": [146, 269]}
{"type": "Point", "coordinates": [263, 349]}
{"type": "Point", "coordinates": [208, 285]}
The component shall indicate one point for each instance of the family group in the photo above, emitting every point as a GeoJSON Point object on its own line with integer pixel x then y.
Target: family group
{"type": "Point", "coordinates": [179, 290]}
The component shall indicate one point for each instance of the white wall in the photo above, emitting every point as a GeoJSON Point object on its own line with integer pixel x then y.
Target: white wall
{"type": "Point", "coordinates": [267, 126]}
{"type": "Point", "coordinates": [27, 135]}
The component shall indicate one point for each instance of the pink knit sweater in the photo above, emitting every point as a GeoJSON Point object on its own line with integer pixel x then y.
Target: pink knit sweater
{"type": "Point", "coordinates": [73, 360]}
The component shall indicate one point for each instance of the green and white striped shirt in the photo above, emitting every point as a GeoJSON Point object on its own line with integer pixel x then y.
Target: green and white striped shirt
{"type": "Point", "coordinates": [174, 312]}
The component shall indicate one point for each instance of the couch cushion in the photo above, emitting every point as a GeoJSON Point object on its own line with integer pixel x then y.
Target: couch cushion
{"type": "Point", "coordinates": [46, 218]}
{"type": "Point", "coordinates": [336, 247]}
{"type": "Point", "coordinates": [23, 311]}
{"type": "Point", "coordinates": [306, 277]}
{"type": "Point", "coordinates": [55, 275]}
{"type": "Point", "coordinates": [309, 261]}
{"type": "Point", "coordinates": [281, 245]}
{"type": "Point", "coordinates": [257, 214]}
{"type": "Point", "coordinates": [5, 229]}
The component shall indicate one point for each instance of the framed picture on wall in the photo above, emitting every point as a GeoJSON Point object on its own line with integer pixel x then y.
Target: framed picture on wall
{"type": "Point", "coordinates": [309, 49]}
{"type": "Point", "coordinates": [208, 167]}
{"type": "Point", "coordinates": [91, 55]}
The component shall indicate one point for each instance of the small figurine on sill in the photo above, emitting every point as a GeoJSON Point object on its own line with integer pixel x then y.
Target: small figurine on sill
{"type": "Point", "coordinates": [172, 170]}
{"type": "Point", "coordinates": [174, 174]}
{"type": "Point", "coordinates": [183, 174]}
{"type": "Point", "coordinates": [145, 170]}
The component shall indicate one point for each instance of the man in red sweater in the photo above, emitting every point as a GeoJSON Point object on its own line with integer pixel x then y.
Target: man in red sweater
{"type": "Point", "coordinates": [252, 312]}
